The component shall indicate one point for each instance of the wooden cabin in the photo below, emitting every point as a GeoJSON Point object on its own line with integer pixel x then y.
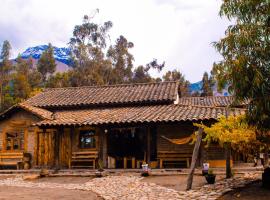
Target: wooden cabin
{"type": "Point", "coordinates": [117, 126]}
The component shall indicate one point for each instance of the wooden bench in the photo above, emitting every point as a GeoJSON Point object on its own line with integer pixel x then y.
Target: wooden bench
{"type": "Point", "coordinates": [83, 157]}
{"type": "Point", "coordinates": [173, 157]}
{"type": "Point", "coordinates": [11, 159]}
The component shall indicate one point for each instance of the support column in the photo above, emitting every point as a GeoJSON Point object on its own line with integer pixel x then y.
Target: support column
{"type": "Point", "coordinates": [56, 148]}
{"type": "Point", "coordinates": [72, 131]}
{"type": "Point", "coordinates": [148, 146]}
{"type": "Point", "coordinates": [105, 148]}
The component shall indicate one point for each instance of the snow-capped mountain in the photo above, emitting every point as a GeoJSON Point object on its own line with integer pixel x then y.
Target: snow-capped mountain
{"type": "Point", "coordinates": [197, 87]}
{"type": "Point", "coordinates": [60, 54]}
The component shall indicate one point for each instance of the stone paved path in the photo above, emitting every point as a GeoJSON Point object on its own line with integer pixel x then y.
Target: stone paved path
{"type": "Point", "coordinates": [131, 187]}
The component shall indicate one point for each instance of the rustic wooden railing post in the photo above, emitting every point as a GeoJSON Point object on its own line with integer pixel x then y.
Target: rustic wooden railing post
{"type": "Point", "coordinates": [195, 156]}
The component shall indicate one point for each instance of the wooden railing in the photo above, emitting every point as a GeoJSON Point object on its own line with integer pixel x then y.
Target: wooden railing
{"type": "Point", "coordinates": [173, 156]}
{"type": "Point", "coordinates": [86, 159]}
{"type": "Point", "coordinates": [11, 159]}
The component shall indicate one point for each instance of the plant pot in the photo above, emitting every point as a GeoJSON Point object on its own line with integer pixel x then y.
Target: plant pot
{"type": "Point", "coordinates": [145, 174]}
{"type": "Point", "coordinates": [210, 178]}
{"type": "Point", "coordinates": [204, 172]}
{"type": "Point", "coordinates": [98, 174]}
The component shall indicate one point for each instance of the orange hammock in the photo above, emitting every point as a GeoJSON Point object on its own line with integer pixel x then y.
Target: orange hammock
{"type": "Point", "coordinates": [180, 141]}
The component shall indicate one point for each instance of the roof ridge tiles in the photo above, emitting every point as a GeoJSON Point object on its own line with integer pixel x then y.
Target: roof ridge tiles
{"type": "Point", "coordinates": [113, 85]}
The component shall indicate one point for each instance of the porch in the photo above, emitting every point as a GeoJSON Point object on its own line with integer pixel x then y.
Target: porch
{"type": "Point", "coordinates": [111, 147]}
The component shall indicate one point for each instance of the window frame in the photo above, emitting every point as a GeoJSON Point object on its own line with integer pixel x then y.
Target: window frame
{"type": "Point", "coordinates": [20, 136]}
{"type": "Point", "coordinates": [94, 136]}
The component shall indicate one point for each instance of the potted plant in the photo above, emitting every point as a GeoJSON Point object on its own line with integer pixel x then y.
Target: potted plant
{"type": "Point", "coordinates": [210, 177]}
{"type": "Point", "coordinates": [145, 169]}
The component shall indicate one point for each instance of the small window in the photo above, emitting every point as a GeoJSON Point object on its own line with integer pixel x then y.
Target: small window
{"type": "Point", "coordinates": [87, 139]}
{"type": "Point", "coordinates": [15, 141]}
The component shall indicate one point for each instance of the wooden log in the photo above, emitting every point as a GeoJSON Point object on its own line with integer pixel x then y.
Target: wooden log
{"type": "Point", "coordinates": [195, 156]}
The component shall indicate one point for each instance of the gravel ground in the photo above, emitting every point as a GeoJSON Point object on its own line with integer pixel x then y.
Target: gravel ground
{"type": "Point", "coordinates": [177, 182]}
{"type": "Point", "coordinates": [120, 187]}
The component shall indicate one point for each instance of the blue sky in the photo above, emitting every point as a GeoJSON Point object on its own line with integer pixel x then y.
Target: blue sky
{"type": "Point", "coordinates": [179, 32]}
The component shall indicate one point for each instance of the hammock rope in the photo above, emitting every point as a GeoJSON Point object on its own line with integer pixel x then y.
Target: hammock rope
{"type": "Point", "coordinates": [184, 140]}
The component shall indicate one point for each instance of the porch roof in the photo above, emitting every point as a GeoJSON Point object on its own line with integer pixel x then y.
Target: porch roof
{"type": "Point", "coordinates": [136, 114]}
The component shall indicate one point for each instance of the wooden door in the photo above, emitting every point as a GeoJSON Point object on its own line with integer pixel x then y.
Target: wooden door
{"type": "Point", "coordinates": [65, 147]}
{"type": "Point", "coordinates": [45, 155]}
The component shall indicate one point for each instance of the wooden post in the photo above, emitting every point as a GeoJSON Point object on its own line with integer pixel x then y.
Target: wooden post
{"type": "Point", "coordinates": [148, 146]}
{"type": "Point", "coordinates": [104, 149]}
{"type": "Point", "coordinates": [228, 160]}
{"type": "Point", "coordinates": [71, 144]}
{"type": "Point", "coordinates": [56, 148]}
{"type": "Point", "coordinates": [195, 156]}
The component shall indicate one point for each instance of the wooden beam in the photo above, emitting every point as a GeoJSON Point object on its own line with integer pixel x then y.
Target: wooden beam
{"type": "Point", "coordinates": [195, 156]}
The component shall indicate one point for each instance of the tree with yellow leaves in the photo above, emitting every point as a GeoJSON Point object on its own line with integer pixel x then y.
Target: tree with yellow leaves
{"type": "Point", "coordinates": [231, 132]}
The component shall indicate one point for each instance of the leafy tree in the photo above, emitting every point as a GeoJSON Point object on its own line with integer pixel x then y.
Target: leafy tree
{"type": "Point", "coordinates": [141, 75]}
{"type": "Point", "coordinates": [246, 57]}
{"type": "Point", "coordinates": [5, 69]}
{"type": "Point", "coordinates": [232, 132]}
{"type": "Point", "coordinates": [121, 60]}
{"type": "Point", "coordinates": [155, 65]}
{"type": "Point", "coordinates": [88, 44]}
{"type": "Point", "coordinates": [21, 85]}
{"type": "Point", "coordinates": [46, 64]}
{"type": "Point", "coordinates": [206, 85]}
{"type": "Point", "coordinates": [59, 80]}
{"type": "Point", "coordinates": [176, 75]}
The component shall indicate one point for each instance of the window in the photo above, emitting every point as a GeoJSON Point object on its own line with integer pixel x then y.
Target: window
{"type": "Point", "coordinates": [87, 139]}
{"type": "Point", "coordinates": [15, 141]}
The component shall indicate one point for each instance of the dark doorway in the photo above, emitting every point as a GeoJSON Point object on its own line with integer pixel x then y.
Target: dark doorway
{"type": "Point", "coordinates": [127, 143]}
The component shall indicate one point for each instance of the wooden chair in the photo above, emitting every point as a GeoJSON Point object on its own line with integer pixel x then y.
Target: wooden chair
{"type": "Point", "coordinates": [173, 157]}
{"type": "Point", "coordinates": [11, 159]}
{"type": "Point", "coordinates": [84, 158]}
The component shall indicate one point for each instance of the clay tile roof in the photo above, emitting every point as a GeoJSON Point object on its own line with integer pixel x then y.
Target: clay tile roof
{"type": "Point", "coordinates": [163, 92]}
{"type": "Point", "coordinates": [40, 112]}
{"type": "Point", "coordinates": [211, 101]}
{"type": "Point", "coordinates": [136, 114]}
{"type": "Point", "coordinates": [44, 114]}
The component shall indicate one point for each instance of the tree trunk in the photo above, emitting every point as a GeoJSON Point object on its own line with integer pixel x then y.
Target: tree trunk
{"type": "Point", "coordinates": [228, 160]}
{"type": "Point", "coordinates": [195, 156]}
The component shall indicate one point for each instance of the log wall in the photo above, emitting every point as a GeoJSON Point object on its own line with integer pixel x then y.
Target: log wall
{"type": "Point", "coordinates": [174, 131]}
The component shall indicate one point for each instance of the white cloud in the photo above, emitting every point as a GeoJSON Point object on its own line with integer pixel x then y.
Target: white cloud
{"type": "Point", "coordinates": [178, 32]}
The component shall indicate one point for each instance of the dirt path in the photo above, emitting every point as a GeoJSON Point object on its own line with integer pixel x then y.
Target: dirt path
{"type": "Point", "coordinates": [18, 193]}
